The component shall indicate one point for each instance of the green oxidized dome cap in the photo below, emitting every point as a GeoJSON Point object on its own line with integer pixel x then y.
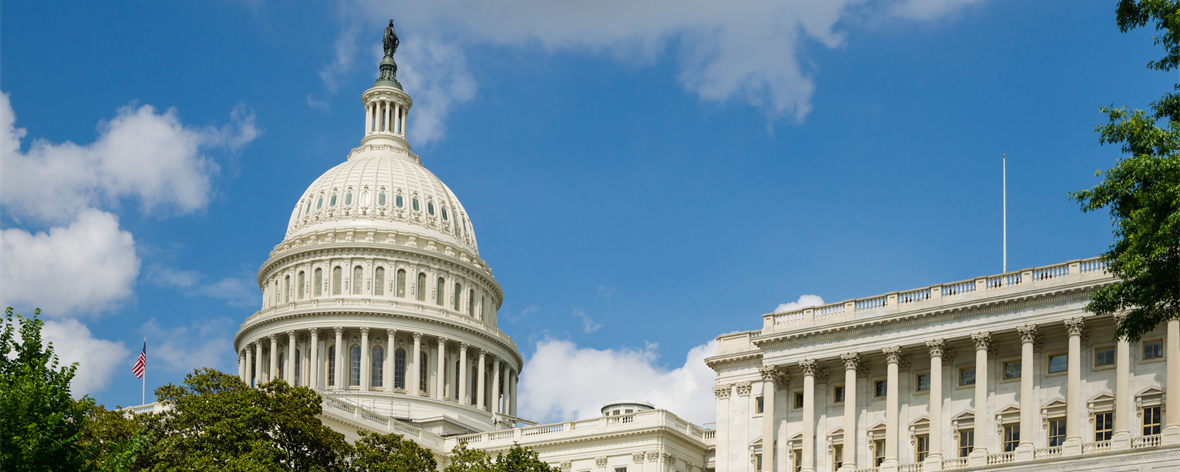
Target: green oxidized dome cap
{"type": "Point", "coordinates": [388, 77]}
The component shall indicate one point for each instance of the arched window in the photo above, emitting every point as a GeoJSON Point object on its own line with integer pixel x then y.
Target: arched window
{"type": "Point", "coordinates": [399, 369]}
{"type": "Point", "coordinates": [421, 287]}
{"type": "Point", "coordinates": [458, 295]}
{"type": "Point", "coordinates": [298, 367]}
{"type": "Point", "coordinates": [282, 365]}
{"type": "Point", "coordinates": [302, 280]}
{"type": "Point", "coordinates": [381, 199]}
{"type": "Point", "coordinates": [358, 277]}
{"type": "Point", "coordinates": [472, 382]}
{"type": "Point", "coordinates": [470, 303]}
{"type": "Point", "coordinates": [398, 201]}
{"type": "Point", "coordinates": [331, 365]}
{"type": "Point", "coordinates": [422, 374]}
{"type": "Point", "coordinates": [287, 289]}
{"type": "Point", "coordinates": [274, 295]}
{"type": "Point", "coordinates": [444, 210]}
{"type": "Point", "coordinates": [317, 288]}
{"type": "Point", "coordinates": [458, 395]}
{"type": "Point", "coordinates": [348, 199]}
{"type": "Point", "coordinates": [401, 283]}
{"type": "Point", "coordinates": [319, 203]}
{"type": "Point", "coordinates": [332, 202]}
{"type": "Point", "coordinates": [354, 371]}
{"type": "Point", "coordinates": [377, 372]}
{"type": "Point", "coordinates": [414, 204]}
{"type": "Point", "coordinates": [379, 281]}
{"type": "Point", "coordinates": [430, 208]}
{"type": "Point", "coordinates": [337, 275]}
{"type": "Point", "coordinates": [440, 292]}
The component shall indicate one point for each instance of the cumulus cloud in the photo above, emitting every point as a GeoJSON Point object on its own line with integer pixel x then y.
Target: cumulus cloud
{"type": "Point", "coordinates": [235, 291]}
{"type": "Point", "coordinates": [562, 381]}
{"type": "Point", "coordinates": [88, 266]}
{"type": "Point", "coordinates": [140, 153]}
{"type": "Point", "coordinates": [184, 348]}
{"type": "Point", "coordinates": [98, 359]}
{"type": "Point", "coordinates": [803, 302]}
{"type": "Point", "coordinates": [748, 51]}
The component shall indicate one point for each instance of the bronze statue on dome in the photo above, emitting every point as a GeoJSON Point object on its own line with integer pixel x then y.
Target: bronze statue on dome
{"type": "Point", "coordinates": [391, 40]}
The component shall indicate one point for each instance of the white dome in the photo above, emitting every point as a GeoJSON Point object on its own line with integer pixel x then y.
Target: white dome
{"type": "Point", "coordinates": [385, 188]}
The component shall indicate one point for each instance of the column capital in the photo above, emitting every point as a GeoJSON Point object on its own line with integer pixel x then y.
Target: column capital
{"type": "Point", "coordinates": [743, 388]}
{"type": "Point", "coordinates": [391, 332]}
{"type": "Point", "coordinates": [851, 360]}
{"type": "Point", "coordinates": [982, 340]}
{"type": "Point", "coordinates": [364, 330]}
{"type": "Point", "coordinates": [274, 338]}
{"type": "Point", "coordinates": [338, 329]}
{"type": "Point", "coordinates": [291, 333]}
{"type": "Point", "coordinates": [1119, 319]}
{"type": "Point", "coordinates": [417, 336]}
{"type": "Point", "coordinates": [463, 346]}
{"type": "Point", "coordinates": [774, 374]}
{"type": "Point", "coordinates": [937, 347]}
{"type": "Point", "coordinates": [892, 354]}
{"type": "Point", "coordinates": [722, 391]}
{"type": "Point", "coordinates": [809, 366]}
{"type": "Point", "coordinates": [482, 354]}
{"type": "Point", "coordinates": [314, 331]}
{"type": "Point", "coordinates": [1075, 326]}
{"type": "Point", "coordinates": [442, 341]}
{"type": "Point", "coordinates": [1028, 333]}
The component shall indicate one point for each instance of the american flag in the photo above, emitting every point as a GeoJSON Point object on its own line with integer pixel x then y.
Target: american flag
{"type": "Point", "coordinates": [141, 363]}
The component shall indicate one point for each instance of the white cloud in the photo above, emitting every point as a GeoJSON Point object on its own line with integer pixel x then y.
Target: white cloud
{"type": "Point", "coordinates": [98, 360]}
{"type": "Point", "coordinates": [139, 153]}
{"type": "Point", "coordinates": [239, 292]}
{"type": "Point", "coordinates": [726, 50]}
{"type": "Point", "coordinates": [88, 266]}
{"type": "Point", "coordinates": [588, 324]}
{"type": "Point", "coordinates": [184, 348]}
{"type": "Point", "coordinates": [803, 302]}
{"type": "Point", "coordinates": [561, 381]}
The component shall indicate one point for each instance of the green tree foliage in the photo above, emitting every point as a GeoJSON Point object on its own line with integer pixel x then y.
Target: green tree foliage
{"type": "Point", "coordinates": [40, 424]}
{"type": "Point", "coordinates": [391, 453]}
{"type": "Point", "coordinates": [113, 440]}
{"type": "Point", "coordinates": [518, 459]}
{"type": "Point", "coordinates": [1142, 190]}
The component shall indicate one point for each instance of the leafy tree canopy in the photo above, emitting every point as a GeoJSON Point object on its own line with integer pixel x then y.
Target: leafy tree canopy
{"type": "Point", "coordinates": [1142, 190]}
{"type": "Point", "coordinates": [518, 459]}
{"type": "Point", "coordinates": [391, 453]}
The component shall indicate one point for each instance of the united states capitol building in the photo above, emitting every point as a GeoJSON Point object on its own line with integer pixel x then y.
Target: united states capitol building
{"type": "Point", "coordinates": [378, 299]}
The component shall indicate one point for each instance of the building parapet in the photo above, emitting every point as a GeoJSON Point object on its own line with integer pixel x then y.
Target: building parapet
{"type": "Point", "coordinates": [582, 430]}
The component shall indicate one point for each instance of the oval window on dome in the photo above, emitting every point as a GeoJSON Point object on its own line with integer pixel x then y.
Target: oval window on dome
{"type": "Point", "coordinates": [398, 201]}
{"type": "Point", "coordinates": [381, 199]}
{"type": "Point", "coordinates": [319, 203]}
{"type": "Point", "coordinates": [414, 203]}
{"type": "Point", "coordinates": [348, 199]}
{"type": "Point", "coordinates": [430, 208]}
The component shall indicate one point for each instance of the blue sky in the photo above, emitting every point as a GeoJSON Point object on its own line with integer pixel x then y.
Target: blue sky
{"type": "Point", "coordinates": [642, 177]}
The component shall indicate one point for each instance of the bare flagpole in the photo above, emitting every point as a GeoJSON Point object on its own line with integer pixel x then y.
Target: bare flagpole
{"type": "Point", "coordinates": [1004, 158]}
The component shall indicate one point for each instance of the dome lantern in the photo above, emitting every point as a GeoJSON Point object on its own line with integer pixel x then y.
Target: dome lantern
{"type": "Point", "coordinates": [386, 105]}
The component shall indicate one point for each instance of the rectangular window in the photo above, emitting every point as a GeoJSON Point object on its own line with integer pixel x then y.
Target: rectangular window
{"type": "Point", "coordinates": [758, 463]}
{"type": "Point", "coordinates": [966, 442]}
{"type": "Point", "coordinates": [878, 452]}
{"type": "Point", "coordinates": [798, 399]}
{"type": "Point", "coordinates": [620, 469]}
{"type": "Point", "coordinates": [837, 457]}
{"type": "Point", "coordinates": [923, 383]}
{"type": "Point", "coordinates": [1151, 420]}
{"type": "Point", "coordinates": [880, 388]}
{"type": "Point", "coordinates": [797, 461]}
{"type": "Point", "coordinates": [967, 376]}
{"type": "Point", "coordinates": [1153, 350]}
{"type": "Point", "coordinates": [1058, 363]}
{"type": "Point", "coordinates": [838, 394]}
{"type": "Point", "coordinates": [758, 406]}
{"type": "Point", "coordinates": [1011, 437]}
{"type": "Point", "coordinates": [921, 447]}
{"type": "Point", "coordinates": [1012, 370]}
{"type": "Point", "coordinates": [1103, 356]}
{"type": "Point", "coordinates": [1103, 426]}
{"type": "Point", "coordinates": [1056, 432]}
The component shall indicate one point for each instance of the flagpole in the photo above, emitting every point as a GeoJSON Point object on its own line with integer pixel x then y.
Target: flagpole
{"type": "Point", "coordinates": [1004, 158]}
{"type": "Point", "coordinates": [143, 388]}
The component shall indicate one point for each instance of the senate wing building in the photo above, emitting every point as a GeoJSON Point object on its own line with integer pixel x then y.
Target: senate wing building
{"type": "Point", "coordinates": [378, 299]}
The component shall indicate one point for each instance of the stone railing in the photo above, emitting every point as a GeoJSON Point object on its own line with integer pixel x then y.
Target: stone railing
{"type": "Point", "coordinates": [651, 419]}
{"type": "Point", "coordinates": [869, 469]}
{"type": "Point", "coordinates": [1146, 441]}
{"type": "Point", "coordinates": [1047, 452]}
{"type": "Point", "coordinates": [1097, 447]}
{"type": "Point", "coordinates": [380, 423]}
{"type": "Point", "coordinates": [1001, 458]}
{"type": "Point", "coordinates": [935, 296]}
{"type": "Point", "coordinates": [951, 464]}
{"type": "Point", "coordinates": [153, 407]}
{"type": "Point", "coordinates": [915, 467]}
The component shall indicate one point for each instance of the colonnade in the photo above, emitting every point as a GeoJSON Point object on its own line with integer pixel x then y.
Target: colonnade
{"type": "Point", "coordinates": [385, 116]}
{"type": "Point", "coordinates": [311, 359]}
{"type": "Point", "coordinates": [775, 377]}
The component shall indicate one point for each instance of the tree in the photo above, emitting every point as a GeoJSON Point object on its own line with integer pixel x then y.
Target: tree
{"type": "Point", "coordinates": [113, 440]}
{"type": "Point", "coordinates": [1142, 190]}
{"type": "Point", "coordinates": [518, 459]}
{"type": "Point", "coordinates": [41, 423]}
{"type": "Point", "coordinates": [391, 453]}
{"type": "Point", "coordinates": [218, 423]}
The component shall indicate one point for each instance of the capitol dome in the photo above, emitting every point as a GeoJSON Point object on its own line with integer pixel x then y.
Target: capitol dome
{"type": "Point", "coordinates": [377, 297]}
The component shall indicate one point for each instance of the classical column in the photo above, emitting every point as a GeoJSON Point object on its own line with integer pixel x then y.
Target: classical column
{"type": "Point", "coordinates": [480, 385]}
{"type": "Point", "coordinates": [514, 379]}
{"type": "Point", "coordinates": [769, 391]}
{"type": "Point", "coordinates": [274, 358]}
{"type": "Point", "coordinates": [892, 358]}
{"type": "Point", "coordinates": [368, 118]}
{"type": "Point", "coordinates": [495, 386]}
{"type": "Point", "coordinates": [241, 370]}
{"type": "Point", "coordinates": [1121, 439]}
{"type": "Point", "coordinates": [851, 363]}
{"type": "Point", "coordinates": [415, 388]}
{"type": "Point", "coordinates": [1073, 407]}
{"type": "Point", "coordinates": [1028, 424]}
{"type": "Point", "coordinates": [441, 388]}
{"type": "Point", "coordinates": [722, 392]}
{"type": "Point", "coordinates": [258, 363]}
{"type": "Point", "coordinates": [338, 362]}
{"type": "Point", "coordinates": [978, 455]}
{"type": "Point", "coordinates": [1171, 432]}
{"type": "Point", "coordinates": [507, 389]}
{"type": "Point", "coordinates": [808, 366]}
{"type": "Point", "coordinates": [313, 358]}
{"type": "Point", "coordinates": [463, 374]}
{"type": "Point", "coordinates": [365, 364]}
{"type": "Point", "coordinates": [291, 361]}
{"type": "Point", "coordinates": [934, 458]}
{"type": "Point", "coordinates": [248, 377]}
{"type": "Point", "coordinates": [387, 374]}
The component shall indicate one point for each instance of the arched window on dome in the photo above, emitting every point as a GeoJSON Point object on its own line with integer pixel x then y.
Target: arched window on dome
{"type": "Point", "coordinates": [365, 198]}
{"type": "Point", "coordinates": [379, 281]}
{"type": "Point", "coordinates": [317, 288]}
{"type": "Point", "coordinates": [423, 361]}
{"type": "Point", "coordinates": [414, 204]}
{"type": "Point", "coordinates": [458, 373]}
{"type": "Point", "coordinates": [420, 288]}
{"type": "Point", "coordinates": [470, 303]}
{"type": "Point", "coordinates": [474, 385]}
{"type": "Point", "coordinates": [358, 279]}
{"type": "Point", "coordinates": [298, 367]}
{"type": "Point", "coordinates": [274, 295]}
{"type": "Point", "coordinates": [440, 292]}
{"type": "Point", "coordinates": [337, 276]}
{"type": "Point", "coordinates": [300, 282]}
{"type": "Point", "coordinates": [319, 203]}
{"type": "Point", "coordinates": [444, 212]}
{"type": "Point", "coordinates": [377, 372]}
{"type": "Point", "coordinates": [399, 368]}
{"type": "Point", "coordinates": [398, 201]}
{"type": "Point", "coordinates": [458, 295]}
{"type": "Point", "coordinates": [307, 208]}
{"type": "Point", "coordinates": [354, 362]}
{"type": "Point", "coordinates": [401, 283]}
{"type": "Point", "coordinates": [381, 199]}
{"type": "Point", "coordinates": [348, 199]}
{"type": "Point", "coordinates": [287, 289]}
{"type": "Point", "coordinates": [331, 366]}
{"type": "Point", "coordinates": [332, 201]}
{"type": "Point", "coordinates": [430, 208]}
